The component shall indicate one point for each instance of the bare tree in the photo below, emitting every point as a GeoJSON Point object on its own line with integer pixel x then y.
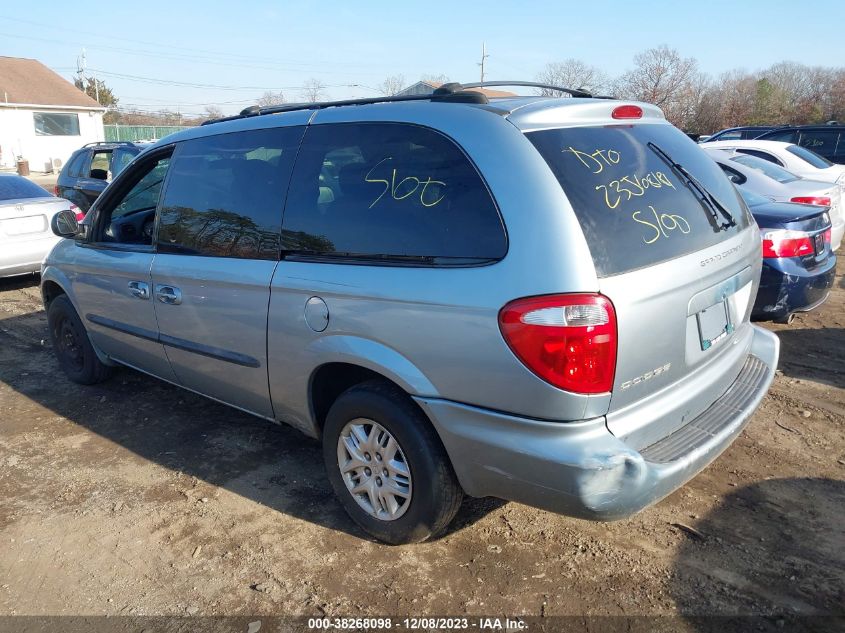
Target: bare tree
{"type": "Point", "coordinates": [571, 73]}
{"type": "Point", "coordinates": [662, 77]}
{"type": "Point", "coordinates": [314, 90]}
{"type": "Point", "coordinates": [392, 85]}
{"type": "Point", "coordinates": [270, 99]}
{"type": "Point", "coordinates": [436, 79]}
{"type": "Point", "coordinates": [213, 112]}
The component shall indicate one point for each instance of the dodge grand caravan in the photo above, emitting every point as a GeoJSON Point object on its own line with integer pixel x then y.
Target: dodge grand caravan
{"type": "Point", "coordinates": [540, 299]}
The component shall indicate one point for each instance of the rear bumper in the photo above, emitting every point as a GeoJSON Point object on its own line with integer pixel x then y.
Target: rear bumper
{"type": "Point", "coordinates": [581, 469]}
{"type": "Point", "coordinates": [786, 288]}
{"type": "Point", "coordinates": [18, 258]}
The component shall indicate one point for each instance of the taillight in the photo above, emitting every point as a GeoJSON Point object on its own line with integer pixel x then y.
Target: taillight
{"type": "Point", "coordinates": [79, 213]}
{"type": "Point", "coordinates": [821, 201]}
{"type": "Point", "coordinates": [567, 340]}
{"type": "Point", "coordinates": [828, 236]}
{"type": "Point", "coordinates": [785, 243]}
{"type": "Point", "coordinates": [627, 112]}
{"type": "Point", "coordinates": [56, 190]}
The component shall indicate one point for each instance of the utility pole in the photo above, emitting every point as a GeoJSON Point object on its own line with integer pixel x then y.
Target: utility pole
{"type": "Point", "coordinates": [484, 56]}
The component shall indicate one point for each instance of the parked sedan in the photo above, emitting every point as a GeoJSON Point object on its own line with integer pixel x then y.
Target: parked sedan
{"type": "Point", "coordinates": [777, 184]}
{"type": "Point", "coordinates": [799, 160]}
{"type": "Point", "coordinates": [25, 214]}
{"type": "Point", "coordinates": [798, 263]}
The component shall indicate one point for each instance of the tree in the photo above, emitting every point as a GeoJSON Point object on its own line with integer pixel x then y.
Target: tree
{"type": "Point", "coordinates": [571, 73]}
{"type": "Point", "coordinates": [662, 77]}
{"type": "Point", "coordinates": [213, 112]}
{"type": "Point", "coordinates": [100, 92]}
{"type": "Point", "coordinates": [392, 85]}
{"type": "Point", "coordinates": [436, 79]}
{"type": "Point", "coordinates": [270, 98]}
{"type": "Point", "coordinates": [314, 90]}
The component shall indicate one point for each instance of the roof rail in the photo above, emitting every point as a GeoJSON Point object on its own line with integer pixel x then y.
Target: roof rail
{"type": "Point", "coordinates": [449, 92]}
{"type": "Point", "coordinates": [95, 143]}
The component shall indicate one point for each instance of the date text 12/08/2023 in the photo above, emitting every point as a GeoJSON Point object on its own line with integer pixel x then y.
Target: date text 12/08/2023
{"type": "Point", "coordinates": [659, 224]}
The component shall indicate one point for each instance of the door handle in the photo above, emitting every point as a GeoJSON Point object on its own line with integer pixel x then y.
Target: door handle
{"type": "Point", "coordinates": [168, 294]}
{"type": "Point", "coordinates": [139, 289]}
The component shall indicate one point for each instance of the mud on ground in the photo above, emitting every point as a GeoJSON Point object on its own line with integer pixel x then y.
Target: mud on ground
{"type": "Point", "coordinates": [135, 497]}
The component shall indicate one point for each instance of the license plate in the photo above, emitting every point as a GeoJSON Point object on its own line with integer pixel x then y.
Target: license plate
{"type": "Point", "coordinates": [714, 324]}
{"type": "Point", "coordinates": [22, 226]}
{"type": "Point", "coordinates": [819, 240]}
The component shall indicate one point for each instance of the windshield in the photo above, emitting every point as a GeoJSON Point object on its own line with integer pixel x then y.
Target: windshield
{"type": "Point", "coordinates": [752, 199]}
{"type": "Point", "coordinates": [18, 188]}
{"type": "Point", "coordinates": [634, 207]}
{"type": "Point", "coordinates": [770, 169]}
{"type": "Point", "coordinates": [810, 156]}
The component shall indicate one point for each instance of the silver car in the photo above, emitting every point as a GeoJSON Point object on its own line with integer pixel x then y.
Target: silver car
{"type": "Point", "coordinates": [538, 299]}
{"type": "Point", "coordinates": [26, 211]}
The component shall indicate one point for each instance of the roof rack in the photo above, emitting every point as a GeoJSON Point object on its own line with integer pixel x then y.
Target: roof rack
{"type": "Point", "coordinates": [449, 93]}
{"type": "Point", "coordinates": [95, 143]}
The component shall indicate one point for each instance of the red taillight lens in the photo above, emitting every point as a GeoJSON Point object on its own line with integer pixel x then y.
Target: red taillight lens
{"type": "Point", "coordinates": [79, 213]}
{"type": "Point", "coordinates": [784, 243]}
{"type": "Point", "coordinates": [56, 190]}
{"type": "Point", "coordinates": [567, 340]}
{"type": "Point", "coordinates": [828, 236]}
{"type": "Point", "coordinates": [627, 112]}
{"type": "Point", "coordinates": [821, 201]}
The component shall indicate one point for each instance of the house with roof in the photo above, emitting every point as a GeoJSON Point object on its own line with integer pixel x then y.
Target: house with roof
{"type": "Point", "coordinates": [43, 117]}
{"type": "Point", "coordinates": [427, 87]}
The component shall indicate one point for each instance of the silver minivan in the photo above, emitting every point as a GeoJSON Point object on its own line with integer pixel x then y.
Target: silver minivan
{"type": "Point", "coordinates": [540, 299]}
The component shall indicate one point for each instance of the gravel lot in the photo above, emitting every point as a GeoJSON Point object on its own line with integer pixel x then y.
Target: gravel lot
{"type": "Point", "coordinates": [136, 498]}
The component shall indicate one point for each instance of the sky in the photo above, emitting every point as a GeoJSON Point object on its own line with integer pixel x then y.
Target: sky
{"type": "Point", "coordinates": [182, 55]}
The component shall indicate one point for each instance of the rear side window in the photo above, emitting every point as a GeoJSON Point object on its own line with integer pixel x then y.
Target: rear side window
{"type": "Point", "coordinates": [122, 157]}
{"type": "Point", "coordinates": [16, 187]}
{"type": "Point", "coordinates": [634, 209]}
{"type": "Point", "coordinates": [785, 137]}
{"type": "Point", "coordinates": [760, 154]}
{"type": "Point", "coordinates": [809, 156]}
{"type": "Point", "coordinates": [820, 141]}
{"type": "Point", "coordinates": [77, 164]}
{"type": "Point", "coordinates": [770, 169]}
{"type": "Point", "coordinates": [225, 194]}
{"type": "Point", "coordinates": [391, 192]}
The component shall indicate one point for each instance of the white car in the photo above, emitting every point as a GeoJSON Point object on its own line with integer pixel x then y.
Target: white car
{"type": "Point", "coordinates": [799, 160]}
{"type": "Point", "coordinates": [777, 183]}
{"type": "Point", "coordinates": [26, 211]}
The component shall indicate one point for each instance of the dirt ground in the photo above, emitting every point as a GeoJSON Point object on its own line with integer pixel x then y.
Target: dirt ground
{"type": "Point", "coordinates": [136, 498]}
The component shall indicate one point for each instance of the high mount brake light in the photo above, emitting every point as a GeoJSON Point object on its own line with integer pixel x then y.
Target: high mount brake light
{"type": "Point", "coordinates": [627, 112]}
{"type": "Point", "coordinates": [567, 340]}
{"type": "Point", "coordinates": [822, 201]}
{"type": "Point", "coordinates": [786, 243]}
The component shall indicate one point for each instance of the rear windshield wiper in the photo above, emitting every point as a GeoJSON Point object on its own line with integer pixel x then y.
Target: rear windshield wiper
{"type": "Point", "coordinates": [708, 200]}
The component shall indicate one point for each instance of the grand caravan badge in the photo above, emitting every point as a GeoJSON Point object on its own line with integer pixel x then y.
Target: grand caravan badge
{"type": "Point", "coordinates": [646, 376]}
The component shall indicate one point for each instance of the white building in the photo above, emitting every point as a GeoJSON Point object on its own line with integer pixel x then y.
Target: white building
{"type": "Point", "coordinates": [43, 117]}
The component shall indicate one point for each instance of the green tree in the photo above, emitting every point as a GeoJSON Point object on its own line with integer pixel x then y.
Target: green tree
{"type": "Point", "coordinates": [102, 94]}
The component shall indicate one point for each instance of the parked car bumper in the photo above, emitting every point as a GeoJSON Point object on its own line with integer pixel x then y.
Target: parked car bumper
{"type": "Point", "coordinates": [19, 258]}
{"type": "Point", "coordinates": [786, 287]}
{"type": "Point", "coordinates": [580, 469]}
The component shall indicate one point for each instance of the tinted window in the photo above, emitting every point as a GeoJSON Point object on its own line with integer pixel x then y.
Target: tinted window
{"type": "Point", "coordinates": [56, 124]}
{"type": "Point", "coordinates": [129, 217]}
{"type": "Point", "coordinates": [771, 170]}
{"type": "Point", "coordinates": [226, 194]}
{"type": "Point", "coordinates": [15, 187]}
{"type": "Point", "coordinates": [77, 165]}
{"type": "Point", "coordinates": [810, 156]}
{"type": "Point", "coordinates": [634, 209]}
{"type": "Point", "coordinates": [390, 191]}
{"type": "Point", "coordinates": [760, 154]}
{"type": "Point", "coordinates": [785, 137]}
{"type": "Point", "coordinates": [820, 141]}
{"type": "Point", "coordinates": [122, 157]}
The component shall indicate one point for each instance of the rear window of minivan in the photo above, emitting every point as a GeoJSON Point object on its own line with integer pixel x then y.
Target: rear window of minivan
{"type": "Point", "coordinates": [634, 208]}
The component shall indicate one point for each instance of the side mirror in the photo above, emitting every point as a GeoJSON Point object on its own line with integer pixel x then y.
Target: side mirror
{"type": "Point", "coordinates": [64, 224]}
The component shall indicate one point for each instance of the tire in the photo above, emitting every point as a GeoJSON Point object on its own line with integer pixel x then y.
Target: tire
{"type": "Point", "coordinates": [434, 492]}
{"type": "Point", "coordinates": [70, 342]}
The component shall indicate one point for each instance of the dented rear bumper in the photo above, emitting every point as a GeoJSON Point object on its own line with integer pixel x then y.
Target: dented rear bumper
{"type": "Point", "coordinates": [581, 469]}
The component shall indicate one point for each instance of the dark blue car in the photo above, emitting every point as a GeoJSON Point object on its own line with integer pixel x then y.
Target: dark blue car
{"type": "Point", "coordinates": [798, 263]}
